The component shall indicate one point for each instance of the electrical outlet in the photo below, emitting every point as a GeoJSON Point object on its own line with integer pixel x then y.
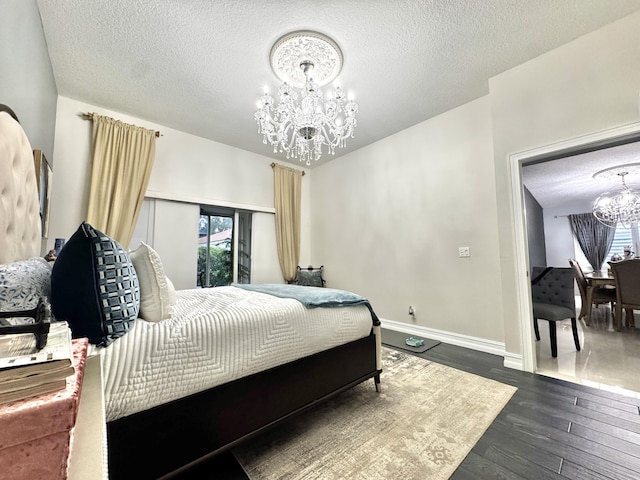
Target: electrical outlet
{"type": "Point", "coordinates": [464, 252]}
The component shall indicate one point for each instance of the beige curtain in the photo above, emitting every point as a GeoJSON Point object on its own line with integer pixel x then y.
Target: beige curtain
{"type": "Point", "coordinates": [287, 199]}
{"type": "Point", "coordinates": [122, 159]}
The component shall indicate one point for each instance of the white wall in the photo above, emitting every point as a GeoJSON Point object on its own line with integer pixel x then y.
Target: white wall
{"type": "Point", "coordinates": [188, 169]}
{"type": "Point", "coordinates": [388, 220]}
{"type": "Point", "coordinates": [143, 231]}
{"type": "Point", "coordinates": [26, 78]}
{"type": "Point", "coordinates": [586, 86]}
{"type": "Point", "coordinates": [175, 238]}
{"type": "Point", "coordinates": [559, 241]}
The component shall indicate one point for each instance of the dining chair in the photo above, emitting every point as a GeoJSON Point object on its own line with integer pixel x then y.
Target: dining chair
{"type": "Point", "coordinates": [627, 277]}
{"type": "Point", "coordinates": [599, 295]}
{"type": "Point", "coordinates": [553, 299]}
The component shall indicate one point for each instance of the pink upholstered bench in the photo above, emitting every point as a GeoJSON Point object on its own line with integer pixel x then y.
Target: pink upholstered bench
{"type": "Point", "coordinates": [35, 434]}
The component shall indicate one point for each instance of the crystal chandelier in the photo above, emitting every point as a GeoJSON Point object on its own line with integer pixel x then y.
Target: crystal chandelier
{"type": "Point", "coordinates": [302, 123]}
{"type": "Point", "coordinates": [620, 206]}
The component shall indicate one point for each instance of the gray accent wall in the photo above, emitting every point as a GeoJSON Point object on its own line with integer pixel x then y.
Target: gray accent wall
{"type": "Point", "coordinates": [27, 84]}
{"type": "Point", "coordinates": [535, 231]}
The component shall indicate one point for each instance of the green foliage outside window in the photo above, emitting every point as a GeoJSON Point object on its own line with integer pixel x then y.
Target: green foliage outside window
{"type": "Point", "coordinates": [220, 267]}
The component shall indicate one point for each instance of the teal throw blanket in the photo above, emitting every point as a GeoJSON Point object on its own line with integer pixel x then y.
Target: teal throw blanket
{"type": "Point", "coordinates": [311, 297]}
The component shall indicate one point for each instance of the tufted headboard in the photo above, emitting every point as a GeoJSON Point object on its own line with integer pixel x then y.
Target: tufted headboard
{"type": "Point", "coordinates": [20, 224]}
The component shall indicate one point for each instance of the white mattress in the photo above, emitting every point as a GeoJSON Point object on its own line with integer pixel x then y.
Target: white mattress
{"type": "Point", "coordinates": [217, 335]}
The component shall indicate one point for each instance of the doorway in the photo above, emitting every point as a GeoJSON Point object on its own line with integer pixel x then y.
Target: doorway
{"type": "Point", "coordinates": [568, 149]}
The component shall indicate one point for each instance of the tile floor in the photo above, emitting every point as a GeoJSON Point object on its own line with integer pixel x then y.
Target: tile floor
{"type": "Point", "coordinates": [609, 360]}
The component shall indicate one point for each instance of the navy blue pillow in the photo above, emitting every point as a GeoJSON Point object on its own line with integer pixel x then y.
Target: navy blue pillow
{"type": "Point", "coordinates": [94, 287]}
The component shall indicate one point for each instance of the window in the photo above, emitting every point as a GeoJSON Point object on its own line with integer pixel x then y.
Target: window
{"type": "Point", "coordinates": [623, 237]}
{"type": "Point", "coordinates": [224, 247]}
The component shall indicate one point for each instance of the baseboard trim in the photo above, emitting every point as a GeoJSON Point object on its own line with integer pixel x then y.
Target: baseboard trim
{"type": "Point", "coordinates": [512, 360]}
{"type": "Point", "coordinates": [474, 343]}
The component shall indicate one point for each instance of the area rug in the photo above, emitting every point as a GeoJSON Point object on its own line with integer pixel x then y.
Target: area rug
{"type": "Point", "coordinates": [421, 426]}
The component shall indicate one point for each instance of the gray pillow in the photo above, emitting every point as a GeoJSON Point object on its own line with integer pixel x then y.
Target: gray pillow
{"type": "Point", "coordinates": [310, 278]}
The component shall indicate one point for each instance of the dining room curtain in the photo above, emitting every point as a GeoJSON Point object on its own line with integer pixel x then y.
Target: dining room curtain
{"type": "Point", "coordinates": [123, 156]}
{"type": "Point", "coordinates": [595, 238]}
{"type": "Point", "coordinates": [287, 200]}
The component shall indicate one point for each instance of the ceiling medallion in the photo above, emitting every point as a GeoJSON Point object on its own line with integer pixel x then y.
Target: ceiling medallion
{"type": "Point", "coordinates": [302, 123]}
{"type": "Point", "coordinates": [620, 206]}
{"type": "Point", "coordinates": [294, 48]}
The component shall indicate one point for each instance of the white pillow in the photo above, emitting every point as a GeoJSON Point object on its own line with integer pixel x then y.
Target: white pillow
{"type": "Point", "coordinates": [172, 291]}
{"type": "Point", "coordinates": [157, 295]}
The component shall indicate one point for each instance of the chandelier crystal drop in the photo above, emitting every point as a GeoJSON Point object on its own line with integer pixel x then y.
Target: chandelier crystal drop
{"type": "Point", "coordinates": [301, 124]}
{"type": "Point", "coordinates": [620, 207]}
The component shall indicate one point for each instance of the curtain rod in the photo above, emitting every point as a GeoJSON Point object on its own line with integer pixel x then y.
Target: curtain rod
{"type": "Point", "coordinates": [273, 165]}
{"type": "Point", "coordinates": [559, 216]}
{"type": "Point", "coordinates": [89, 116]}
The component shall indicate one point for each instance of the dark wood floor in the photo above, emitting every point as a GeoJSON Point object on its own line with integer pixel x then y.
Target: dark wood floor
{"type": "Point", "coordinates": [549, 429]}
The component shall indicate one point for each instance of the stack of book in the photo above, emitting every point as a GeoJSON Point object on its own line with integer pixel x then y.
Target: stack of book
{"type": "Point", "coordinates": [26, 372]}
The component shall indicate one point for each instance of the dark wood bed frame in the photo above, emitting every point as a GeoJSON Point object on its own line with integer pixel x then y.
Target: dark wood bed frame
{"type": "Point", "coordinates": [166, 440]}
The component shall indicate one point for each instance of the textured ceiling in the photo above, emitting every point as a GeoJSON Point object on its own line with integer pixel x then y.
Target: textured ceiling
{"type": "Point", "coordinates": [199, 66]}
{"type": "Point", "coordinates": [568, 183]}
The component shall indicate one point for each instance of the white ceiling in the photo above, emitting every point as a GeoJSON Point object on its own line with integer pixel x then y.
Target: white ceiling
{"type": "Point", "coordinates": [568, 183]}
{"type": "Point", "coordinates": [199, 66]}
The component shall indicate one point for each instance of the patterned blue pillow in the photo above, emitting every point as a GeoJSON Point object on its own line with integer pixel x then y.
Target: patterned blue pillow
{"type": "Point", "coordinates": [94, 287]}
{"type": "Point", "coordinates": [22, 284]}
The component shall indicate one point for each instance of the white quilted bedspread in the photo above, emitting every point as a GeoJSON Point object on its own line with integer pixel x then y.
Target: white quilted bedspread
{"type": "Point", "coordinates": [217, 335]}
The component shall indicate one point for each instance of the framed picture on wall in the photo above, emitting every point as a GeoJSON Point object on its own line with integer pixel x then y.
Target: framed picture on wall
{"type": "Point", "coordinates": [44, 176]}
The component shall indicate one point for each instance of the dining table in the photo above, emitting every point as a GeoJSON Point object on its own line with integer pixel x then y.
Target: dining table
{"type": "Point", "coordinates": [598, 279]}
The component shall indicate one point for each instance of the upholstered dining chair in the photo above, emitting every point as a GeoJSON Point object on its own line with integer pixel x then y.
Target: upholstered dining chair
{"type": "Point", "coordinates": [627, 277]}
{"type": "Point", "coordinates": [599, 295]}
{"type": "Point", "coordinates": [552, 293]}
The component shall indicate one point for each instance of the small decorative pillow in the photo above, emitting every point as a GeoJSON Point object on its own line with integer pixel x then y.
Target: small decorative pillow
{"type": "Point", "coordinates": [94, 287]}
{"type": "Point", "coordinates": [310, 278]}
{"type": "Point", "coordinates": [157, 298]}
{"type": "Point", "coordinates": [22, 284]}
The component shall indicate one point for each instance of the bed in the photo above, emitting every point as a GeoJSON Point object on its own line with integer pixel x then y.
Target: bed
{"type": "Point", "coordinates": [208, 368]}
